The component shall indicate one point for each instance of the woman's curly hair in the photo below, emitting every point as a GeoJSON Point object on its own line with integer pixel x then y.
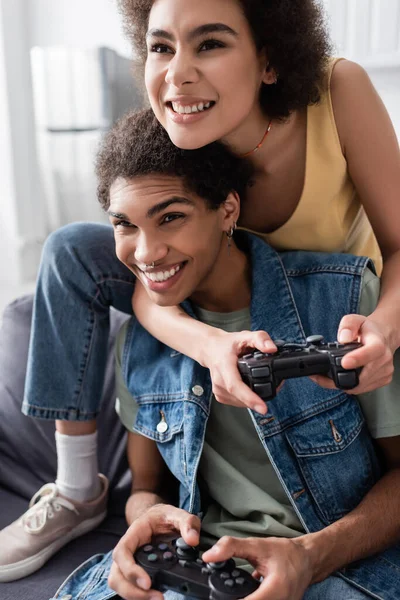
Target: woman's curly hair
{"type": "Point", "coordinates": [137, 145]}
{"type": "Point", "coordinates": [294, 34]}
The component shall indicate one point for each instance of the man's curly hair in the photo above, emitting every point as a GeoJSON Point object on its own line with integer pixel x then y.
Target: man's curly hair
{"type": "Point", "coordinates": [294, 34]}
{"type": "Point", "coordinates": [138, 145]}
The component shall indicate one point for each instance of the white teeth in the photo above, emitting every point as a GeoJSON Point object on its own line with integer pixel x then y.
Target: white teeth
{"type": "Point", "coordinates": [187, 110]}
{"type": "Point", "coordinates": [162, 275]}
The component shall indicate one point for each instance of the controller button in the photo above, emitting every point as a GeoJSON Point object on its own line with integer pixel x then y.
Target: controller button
{"type": "Point", "coordinates": [338, 361]}
{"type": "Point", "coordinates": [261, 372]}
{"type": "Point", "coordinates": [229, 583]}
{"type": "Point", "coordinates": [205, 571]}
{"type": "Point", "coordinates": [197, 390]}
{"type": "Point", "coordinates": [163, 546]}
{"type": "Point", "coordinates": [240, 580]}
{"type": "Point", "coordinates": [235, 573]}
{"type": "Point", "coordinates": [148, 548]}
{"type": "Point", "coordinates": [263, 389]}
{"type": "Point", "coordinates": [347, 380]}
{"type": "Point", "coordinates": [183, 563]}
{"type": "Point", "coordinates": [258, 355]}
{"type": "Point", "coordinates": [152, 558]}
{"type": "Point", "coordinates": [248, 356]}
{"type": "Point", "coordinates": [199, 562]}
{"type": "Point", "coordinates": [168, 556]}
{"type": "Point", "coordinates": [217, 565]}
{"type": "Point", "coordinates": [225, 575]}
{"type": "Point", "coordinates": [279, 343]}
{"type": "Point", "coordinates": [180, 543]}
{"type": "Point", "coordinates": [315, 339]}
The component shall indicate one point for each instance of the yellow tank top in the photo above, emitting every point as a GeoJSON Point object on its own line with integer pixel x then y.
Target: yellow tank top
{"type": "Point", "coordinates": [329, 216]}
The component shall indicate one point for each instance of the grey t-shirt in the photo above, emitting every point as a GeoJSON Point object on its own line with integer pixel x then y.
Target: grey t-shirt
{"type": "Point", "coordinates": [247, 498]}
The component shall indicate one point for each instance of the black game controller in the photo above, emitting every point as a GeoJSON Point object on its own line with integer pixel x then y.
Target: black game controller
{"type": "Point", "coordinates": [264, 372]}
{"type": "Point", "coordinates": [173, 565]}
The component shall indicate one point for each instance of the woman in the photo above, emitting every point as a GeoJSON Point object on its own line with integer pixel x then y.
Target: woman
{"type": "Point", "coordinates": [256, 75]}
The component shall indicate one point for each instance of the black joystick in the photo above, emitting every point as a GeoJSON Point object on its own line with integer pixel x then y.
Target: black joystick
{"type": "Point", "coordinates": [184, 551]}
{"type": "Point", "coordinates": [264, 372]}
{"type": "Point", "coordinates": [169, 569]}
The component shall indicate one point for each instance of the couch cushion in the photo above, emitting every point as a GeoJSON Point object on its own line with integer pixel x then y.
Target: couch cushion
{"type": "Point", "coordinates": [44, 583]}
{"type": "Point", "coordinates": [27, 445]}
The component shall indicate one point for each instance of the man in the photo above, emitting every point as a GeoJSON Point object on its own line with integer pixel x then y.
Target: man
{"type": "Point", "coordinates": [299, 493]}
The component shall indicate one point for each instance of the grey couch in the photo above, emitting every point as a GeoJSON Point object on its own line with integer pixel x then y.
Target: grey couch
{"type": "Point", "coordinates": [28, 458]}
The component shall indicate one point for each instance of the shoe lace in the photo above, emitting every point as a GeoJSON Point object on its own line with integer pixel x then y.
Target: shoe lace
{"type": "Point", "coordinates": [42, 507]}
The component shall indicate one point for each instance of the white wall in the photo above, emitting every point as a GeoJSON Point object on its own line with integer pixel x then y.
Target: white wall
{"type": "Point", "coordinates": [81, 23]}
{"type": "Point", "coordinates": [21, 224]}
{"type": "Point", "coordinates": [24, 24]}
{"type": "Point", "coordinates": [368, 32]}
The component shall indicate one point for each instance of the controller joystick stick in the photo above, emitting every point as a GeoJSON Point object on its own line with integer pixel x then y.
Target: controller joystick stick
{"type": "Point", "coordinates": [184, 551]}
{"type": "Point", "coordinates": [315, 340]}
{"type": "Point", "coordinates": [190, 576]}
{"type": "Point", "coordinates": [263, 373]}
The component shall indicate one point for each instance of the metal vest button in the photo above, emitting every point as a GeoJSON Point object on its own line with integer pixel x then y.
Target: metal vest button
{"type": "Point", "coordinates": [197, 390]}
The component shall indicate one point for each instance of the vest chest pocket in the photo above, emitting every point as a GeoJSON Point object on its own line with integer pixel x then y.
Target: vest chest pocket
{"type": "Point", "coordinates": [337, 459]}
{"type": "Point", "coordinates": [163, 421]}
{"type": "Point", "coordinates": [160, 421]}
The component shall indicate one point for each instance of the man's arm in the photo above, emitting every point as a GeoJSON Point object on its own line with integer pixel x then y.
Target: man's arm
{"type": "Point", "coordinates": [148, 476]}
{"type": "Point", "coordinates": [290, 565]}
{"type": "Point", "coordinates": [147, 516]}
{"type": "Point", "coordinates": [371, 527]}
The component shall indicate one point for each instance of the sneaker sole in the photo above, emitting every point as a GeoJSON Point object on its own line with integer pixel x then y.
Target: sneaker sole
{"type": "Point", "coordinates": [29, 565]}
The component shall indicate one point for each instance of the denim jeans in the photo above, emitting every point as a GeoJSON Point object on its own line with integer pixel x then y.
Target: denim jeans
{"type": "Point", "coordinates": [79, 279]}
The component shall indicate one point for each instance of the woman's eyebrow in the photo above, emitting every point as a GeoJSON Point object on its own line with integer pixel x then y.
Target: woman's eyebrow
{"type": "Point", "coordinates": [194, 33]}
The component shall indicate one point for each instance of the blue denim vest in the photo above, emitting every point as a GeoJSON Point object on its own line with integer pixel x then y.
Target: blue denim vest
{"type": "Point", "coordinates": [315, 438]}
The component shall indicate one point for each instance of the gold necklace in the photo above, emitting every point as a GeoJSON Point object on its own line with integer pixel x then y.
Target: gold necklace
{"type": "Point", "coordinates": [260, 144]}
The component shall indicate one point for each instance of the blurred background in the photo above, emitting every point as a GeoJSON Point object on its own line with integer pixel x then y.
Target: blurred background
{"type": "Point", "coordinates": [66, 75]}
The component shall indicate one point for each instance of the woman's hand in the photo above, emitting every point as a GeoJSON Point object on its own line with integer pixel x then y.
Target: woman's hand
{"type": "Point", "coordinates": [221, 358]}
{"type": "Point", "coordinates": [375, 357]}
{"type": "Point", "coordinates": [126, 577]}
{"type": "Point", "coordinates": [284, 564]}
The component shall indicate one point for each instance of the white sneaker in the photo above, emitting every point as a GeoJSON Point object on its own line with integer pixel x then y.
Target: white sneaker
{"type": "Point", "coordinates": [50, 522]}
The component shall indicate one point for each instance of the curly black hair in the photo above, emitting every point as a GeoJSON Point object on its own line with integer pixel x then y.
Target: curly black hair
{"type": "Point", "coordinates": [292, 32]}
{"type": "Point", "coordinates": [138, 145]}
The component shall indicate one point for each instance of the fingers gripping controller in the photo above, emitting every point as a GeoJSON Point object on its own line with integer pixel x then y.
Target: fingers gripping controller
{"type": "Point", "coordinates": [173, 565]}
{"type": "Point", "coordinates": [264, 372]}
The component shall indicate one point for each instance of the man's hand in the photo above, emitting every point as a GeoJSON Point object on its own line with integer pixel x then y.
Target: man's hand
{"type": "Point", "coordinates": [126, 577]}
{"type": "Point", "coordinates": [221, 358]}
{"type": "Point", "coordinates": [375, 357]}
{"type": "Point", "coordinates": [284, 564]}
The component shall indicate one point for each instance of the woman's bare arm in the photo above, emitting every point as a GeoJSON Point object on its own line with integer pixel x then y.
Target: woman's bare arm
{"type": "Point", "coordinates": [371, 149]}
{"type": "Point", "coordinates": [211, 347]}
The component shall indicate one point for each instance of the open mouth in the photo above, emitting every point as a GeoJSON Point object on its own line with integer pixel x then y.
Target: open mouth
{"type": "Point", "coordinates": [162, 276]}
{"type": "Point", "coordinates": [198, 107]}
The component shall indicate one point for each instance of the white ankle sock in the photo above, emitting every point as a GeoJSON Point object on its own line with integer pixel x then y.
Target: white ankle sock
{"type": "Point", "coordinates": [77, 472]}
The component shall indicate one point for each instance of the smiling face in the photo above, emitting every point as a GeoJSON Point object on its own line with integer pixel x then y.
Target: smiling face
{"type": "Point", "coordinates": [203, 73]}
{"type": "Point", "coordinates": [156, 219]}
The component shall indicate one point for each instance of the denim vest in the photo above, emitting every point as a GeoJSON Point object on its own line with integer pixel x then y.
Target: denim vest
{"type": "Point", "coordinates": [315, 438]}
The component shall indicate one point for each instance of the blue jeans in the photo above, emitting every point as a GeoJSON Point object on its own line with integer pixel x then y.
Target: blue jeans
{"type": "Point", "coordinates": [79, 279]}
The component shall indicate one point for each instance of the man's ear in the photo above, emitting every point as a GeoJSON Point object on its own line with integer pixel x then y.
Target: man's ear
{"type": "Point", "coordinates": [230, 211]}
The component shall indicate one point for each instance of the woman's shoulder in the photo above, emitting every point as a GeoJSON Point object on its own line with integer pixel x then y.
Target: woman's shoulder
{"type": "Point", "coordinates": [352, 96]}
